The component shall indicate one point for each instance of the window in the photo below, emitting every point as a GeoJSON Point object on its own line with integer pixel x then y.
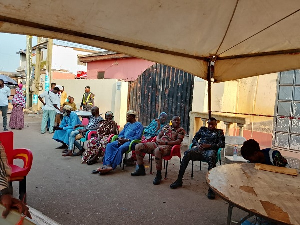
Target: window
{"type": "Point", "coordinates": [100, 75]}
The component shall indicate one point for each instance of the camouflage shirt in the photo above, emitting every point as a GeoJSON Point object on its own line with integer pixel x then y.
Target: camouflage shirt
{"type": "Point", "coordinates": [214, 137]}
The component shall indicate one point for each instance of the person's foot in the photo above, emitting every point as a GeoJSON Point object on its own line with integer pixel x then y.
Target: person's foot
{"type": "Point", "coordinates": [78, 153]}
{"type": "Point", "coordinates": [129, 162]}
{"type": "Point", "coordinates": [157, 179]}
{"type": "Point", "coordinates": [211, 194]}
{"type": "Point", "coordinates": [140, 171]}
{"type": "Point", "coordinates": [69, 153]}
{"type": "Point", "coordinates": [63, 146]}
{"type": "Point", "coordinates": [95, 171]}
{"type": "Point", "coordinates": [5, 129]}
{"type": "Point", "coordinates": [105, 170]}
{"type": "Point", "coordinates": [65, 151]}
{"type": "Point", "coordinates": [176, 184]}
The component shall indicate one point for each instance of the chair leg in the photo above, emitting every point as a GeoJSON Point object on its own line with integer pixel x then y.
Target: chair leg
{"type": "Point", "coordinates": [149, 156]}
{"type": "Point", "coordinates": [166, 170]}
{"type": "Point", "coordinates": [22, 190]}
{"type": "Point", "coordinates": [164, 164]}
{"type": "Point", "coordinates": [125, 158]}
{"type": "Point", "coordinates": [192, 175]}
{"type": "Point", "coordinates": [151, 165]}
{"type": "Point", "coordinates": [200, 164]}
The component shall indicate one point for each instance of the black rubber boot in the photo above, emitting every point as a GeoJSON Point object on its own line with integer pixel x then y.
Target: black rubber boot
{"type": "Point", "coordinates": [158, 177]}
{"type": "Point", "coordinates": [140, 171]}
{"type": "Point", "coordinates": [211, 194]}
{"type": "Point", "coordinates": [176, 184]}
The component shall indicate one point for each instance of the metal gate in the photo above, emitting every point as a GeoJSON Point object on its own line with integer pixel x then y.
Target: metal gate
{"type": "Point", "coordinates": [162, 88]}
{"type": "Point", "coordinates": [287, 111]}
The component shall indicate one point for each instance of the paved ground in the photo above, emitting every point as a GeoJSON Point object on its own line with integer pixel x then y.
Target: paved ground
{"type": "Point", "coordinates": [66, 191]}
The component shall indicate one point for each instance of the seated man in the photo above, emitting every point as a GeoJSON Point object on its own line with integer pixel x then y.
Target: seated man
{"type": "Point", "coordinates": [6, 198]}
{"type": "Point", "coordinates": [151, 131]}
{"type": "Point", "coordinates": [69, 121]}
{"type": "Point", "coordinates": [92, 125]}
{"type": "Point", "coordinates": [169, 135]}
{"type": "Point", "coordinates": [251, 151]}
{"type": "Point", "coordinates": [113, 154]}
{"type": "Point", "coordinates": [71, 103]}
{"type": "Point", "coordinates": [205, 146]}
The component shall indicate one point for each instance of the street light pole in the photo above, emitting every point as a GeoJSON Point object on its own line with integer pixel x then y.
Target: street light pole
{"type": "Point", "coordinates": [28, 68]}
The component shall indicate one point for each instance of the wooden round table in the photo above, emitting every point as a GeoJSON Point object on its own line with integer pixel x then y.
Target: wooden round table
{"type": "Point", "coordinates": [266, 194]}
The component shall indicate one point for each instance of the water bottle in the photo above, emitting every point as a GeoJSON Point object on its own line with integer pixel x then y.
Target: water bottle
{"type": "Point", "coordinates": [235, 152]}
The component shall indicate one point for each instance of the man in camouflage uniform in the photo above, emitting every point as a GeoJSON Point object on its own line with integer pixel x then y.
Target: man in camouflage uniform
{"type": "Point", "coordinates": [169, 136]}
{"type": "Point", "coordinates": [87, 102]}
{"type": "Point", "coordinates": [205, 146]}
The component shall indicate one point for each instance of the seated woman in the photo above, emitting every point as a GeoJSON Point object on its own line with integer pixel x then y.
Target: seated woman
{"type": "Point", "coordinates": [113, 154]}
{"type": "Point", "coordinates": [251, 151]}
{"type": "Point", "coordinates": [96, 145]}
{"type": "Point", "coordinates": [151, 131]}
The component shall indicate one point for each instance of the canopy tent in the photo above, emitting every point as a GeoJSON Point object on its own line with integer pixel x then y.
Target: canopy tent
{"type": "Point", "coordinates": [243, 37]}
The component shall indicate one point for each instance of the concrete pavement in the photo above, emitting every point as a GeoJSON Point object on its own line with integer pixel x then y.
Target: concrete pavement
{"type": "Point", "coordinates": [65, 190]}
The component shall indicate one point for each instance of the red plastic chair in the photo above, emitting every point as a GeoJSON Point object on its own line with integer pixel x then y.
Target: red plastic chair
{"type": "Point", "coordinates": [18, 173]}
{"type": "Point", "coordinates": [175, 151]}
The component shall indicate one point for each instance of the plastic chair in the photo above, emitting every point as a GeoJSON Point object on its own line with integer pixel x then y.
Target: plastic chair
{"type": "Point", "coordinates": [175, 151]}
{"type": "Point", "coordinates": [218, 159]}
{"type": "Point", "coordinates": [131, 145]}
{"type": "Point", "coordinates": [18, 173]}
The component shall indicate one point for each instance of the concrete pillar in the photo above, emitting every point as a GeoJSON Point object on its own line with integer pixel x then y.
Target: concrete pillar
{"type": "Point", "coordinates": [227, 124]}
{"type": "Point", "coordinates": [241, 127]}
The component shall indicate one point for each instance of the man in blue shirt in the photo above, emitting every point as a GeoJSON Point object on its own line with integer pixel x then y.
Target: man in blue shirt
{"type": "Point", "coordinates": [4, 94]}
{"type": "Point", "coordinates": [69, 121]}
{"type": "Point", "coordinates": [113, 154]}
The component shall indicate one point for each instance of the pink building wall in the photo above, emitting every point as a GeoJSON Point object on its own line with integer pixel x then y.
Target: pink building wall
{"type": "Point", "coordinates": [127, 69]}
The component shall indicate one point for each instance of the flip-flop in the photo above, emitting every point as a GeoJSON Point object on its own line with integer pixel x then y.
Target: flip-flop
{"type": "Point", "coordinates": [105, 170]}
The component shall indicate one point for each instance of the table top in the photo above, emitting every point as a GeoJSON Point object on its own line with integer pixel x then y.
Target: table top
{"type": "Point", "coordinates": [83, 113]}
{"type": "Point", "coordinates": [267, 194]}
{"type": "Point", "coordinates": [13, 218]}
{"type": "Point", "coordinates": [238, 159]}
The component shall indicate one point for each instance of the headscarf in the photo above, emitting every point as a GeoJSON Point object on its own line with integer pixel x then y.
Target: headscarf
{"type": "Point", "coordinates": [20, 85]}
{"type": "Point", "coordinates": [19, 98]}
{"type": "Point", "coordinates": [163, 114]}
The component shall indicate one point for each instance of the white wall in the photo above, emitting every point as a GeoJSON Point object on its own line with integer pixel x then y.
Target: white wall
{"type": "Point", "coordinates": [108, 97]}
{"type": "Point", "coordinates": [66, 58]}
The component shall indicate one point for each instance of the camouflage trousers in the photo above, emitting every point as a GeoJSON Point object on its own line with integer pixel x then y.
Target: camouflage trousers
{"type": "Point", "coordinates": [195, 154]}
{"type": "Point", "coordinates": [159, 151]}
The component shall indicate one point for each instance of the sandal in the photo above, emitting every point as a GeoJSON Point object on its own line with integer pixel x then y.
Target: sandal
{"type": "Point", "coordinates": [78, 153]}
{"type": "Point", "coordinates": [69, 153]}
{"type": "Point", "coordinates": [105, 170]}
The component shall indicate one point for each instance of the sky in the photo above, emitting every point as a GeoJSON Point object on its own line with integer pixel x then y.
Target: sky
{"type": "Point", "coordinates": [9, 45]}
{"type": "Point", "coordinates": [12, 43]}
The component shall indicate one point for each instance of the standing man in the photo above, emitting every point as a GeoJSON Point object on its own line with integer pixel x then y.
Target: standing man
{"type": "Point", "coordinates": [51, 104]}
{"type": "Point", "coordinates": [205, 146]}
{"type": "Point", "coordinates": [63, 96]}
{"type": "Point", "coordinates": [87, 102]}
{"type": "Point", "coordinates": [169, 136]}
{"type": "Point", "coordinates": [4, 94]}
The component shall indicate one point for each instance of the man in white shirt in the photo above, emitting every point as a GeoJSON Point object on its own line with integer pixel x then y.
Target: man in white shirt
{"type": "Point", "coordinates": [51, 105]}
{"type": "Point", "coordinates": [4, 94]}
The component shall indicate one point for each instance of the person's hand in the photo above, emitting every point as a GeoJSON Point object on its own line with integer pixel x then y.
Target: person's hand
{"type": "Point", "coordinates": [160, 142]}
{"type": "Point", "coordinates": [203, 146]}
{"type": "Point", "coordinates": [158, 121]}
{"type": "Point", "coordinates": [21, 207]}
{"type": "Point", "coordinates": [122, 141]}
{"type": "Point", "coordinates": [6, 201]}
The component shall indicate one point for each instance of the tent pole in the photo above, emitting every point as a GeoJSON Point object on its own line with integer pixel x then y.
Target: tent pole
{"type": "Point", "coordinates": [209, 87]}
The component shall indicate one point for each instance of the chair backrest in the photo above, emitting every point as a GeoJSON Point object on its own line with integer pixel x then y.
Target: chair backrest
{"type": "Point", "coordinates": [85, 121]}
{"type": "Point", "coordinates": [234, 140]}
{"type": "Point", "coordinates": [7, 140]}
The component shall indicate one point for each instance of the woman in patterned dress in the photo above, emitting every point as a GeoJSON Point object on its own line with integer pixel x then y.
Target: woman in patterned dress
{"type": "Point", "coordinates": [96, 145]}
{"type": "Point", "coordinates": [17, 115]}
